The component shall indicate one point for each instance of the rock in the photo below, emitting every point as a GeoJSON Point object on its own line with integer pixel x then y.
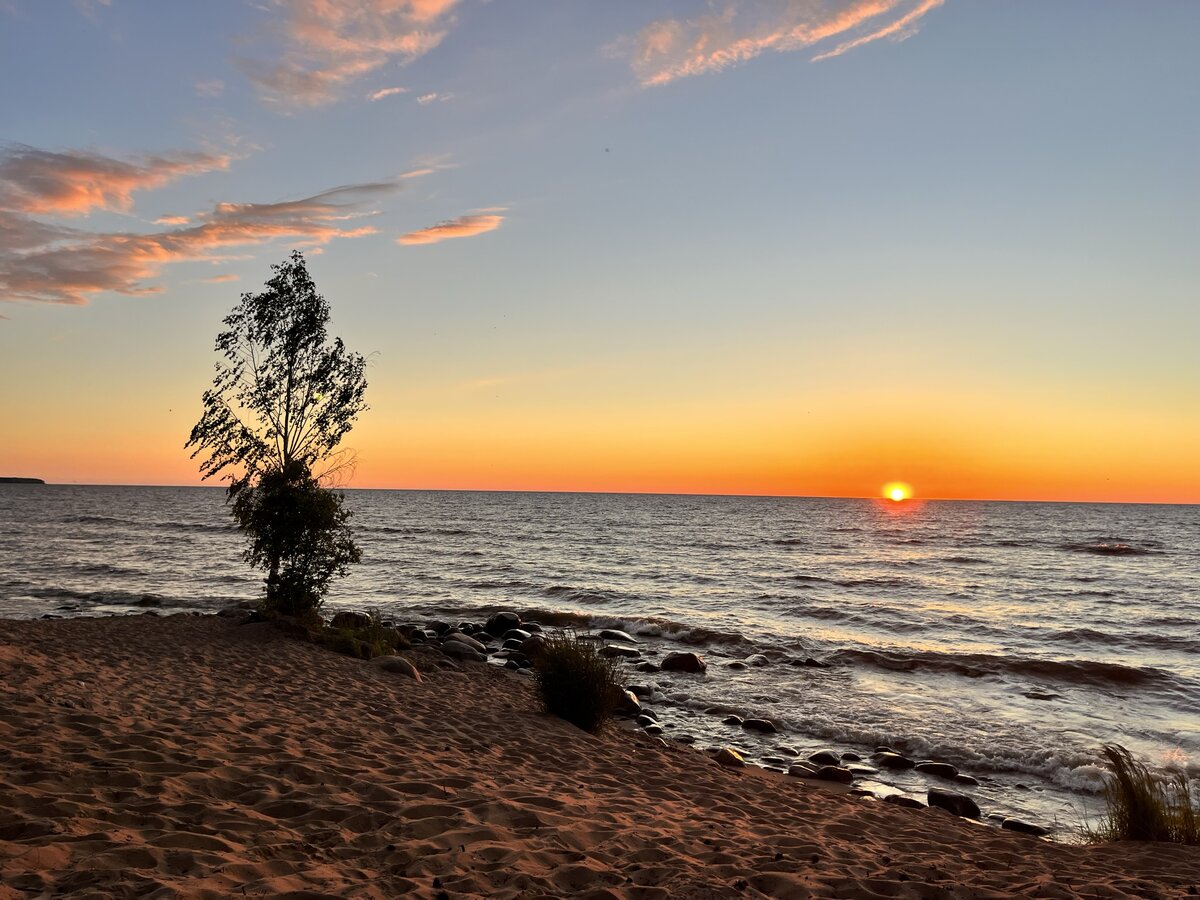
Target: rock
{"type": "Point", "coordinates": [851, 757]}
{"type": "Point", "coordinates": [732, 720]}
{"type": "Point", "coordinates": [611, 634]}
{"type": "Point", "coordinates": [758, 660]}
{"type": "Point", "coordinates": [737, 665]}
{"type": "Point", "coordinates": [347, 619]}
{"type": "Point", "coordinates": [647, 711]}
{"type": "Point", "coordinates": [440, 628]}
{"type": "Point", "coordinates": [789, 751]}
{"type": "Point", "coordinates": [642, 691]}
{"type": "Point", "coordinates": [684, 662]}
{"type": "Point", "coordinates": [884, 750]}
{"type": "Point", "coordinates": [802, 770]}
{"type": "Point", "coordinates": [533, 646]}
{"type": "Point", "coordinates": [953, 801]}
{"type": "Point", "coordinates": [232, 612]}
{"type": "Point", "coordinates": [775, 761]}
{"type": "Point", "coordinates": [516, 634]}
{"type": "Point", "coordinates": [810, 663]}
{"type": "Point", "coordinates": [647, 667]}
{"type": "Point", "coordinates": [940, 769]}
{"type": "Point", "coordinates": [465, 640]}
{"type": "Point", "coordinates": [512, 644]}
{"type": "Point", "coordinates": [825, 758]}
{"type": "Point", "coordinates": [685, 739]}
{"type": "Point", "coordinates": [654, 729]}
{"type": "Point", "coordinates": [611, 651]}
{"type": "Point", "coordinates": [835, 773]}
{"type": "Point", "coordinates": [502, 622]}
{"type": "Point", "coordinates": [644, 721]}
{"type": "Point", "coordinates": [727, 756]}
{"type": "Point", "coordinates": [535, 627]}
{"type": "Point", "coordinates": [397, 664]}
{"type": "Point", "coordinates": [628, 704]}
{"type": "Point", "coordinates": [967, 779]}
{"type": "Point", "coordinates": [766, 726]}
{"type": "Point", "coordinates": [901, 800]}
{"type": "Point", "coordinates": [1024, 827]}
{"type": "Point", "coordinates": [890, 760]}
{"type": "Point", "coordinates": [459, 650]}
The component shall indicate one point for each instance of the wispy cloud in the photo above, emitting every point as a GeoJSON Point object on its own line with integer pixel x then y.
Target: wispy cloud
{"type": "Point", "coordinates": [172, 220]}
{"type": "Point", "coordinates": [221, 279]}
{"type": "Point", "coordinates": [323, 46]}
{"type": "Point", "coordinates": [49, 263]}
{"type": "Point", "coordinates": [386, 92]}
{"type": "Point", "coordinates": [214, 87]}
{"type": "Point", "coordinates": [669, 49]}
{"type": "Point", "coordinates": [434, 97]}
{"type": "Point", "coordinates": [75, 182]}
{"type": "Point", "coordinates": [461, 227]}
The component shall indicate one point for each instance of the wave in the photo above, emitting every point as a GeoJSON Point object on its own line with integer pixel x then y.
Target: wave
{"type": "Point", "coordinates": [791, 542]}
{"type": "Point", "coordinates": [982, 665]}
{"type": "Point", "coordinates": [1104, 638]}
{"type": "Point", "coordinates": [1110, 547]}
{"type": "Point", "coordinates": [95, 520]}
{"type": "Point", "coordinates": [107, 598]}
{"type": "Point", "coordinates": [196, 526]}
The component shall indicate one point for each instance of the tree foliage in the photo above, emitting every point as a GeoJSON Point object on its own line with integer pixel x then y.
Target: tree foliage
{"type": "Point", "coordinates": [283, 398]}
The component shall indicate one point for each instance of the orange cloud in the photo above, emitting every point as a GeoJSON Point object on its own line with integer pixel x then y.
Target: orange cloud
{"type": "Point", "coordinates": [387, 92]}
{"type": "Point", "coordinates": [172, 220]}
{"type": "Point", "coordinates": [463, 226]}
{"type": "Point", "coordinates": [75, 182]}
{"type": "Point", "coordinates": [47, 263]}
{"type": "Point", "coordinates": [326, 46]}
{"type": "Point", "coordinates": [669, 48]}
{"type": "Point", "coordinates": [222, 279]}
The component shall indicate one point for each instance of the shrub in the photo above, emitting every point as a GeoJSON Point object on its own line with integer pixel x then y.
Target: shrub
{"type": "Point", "coordinates": [1143, 806]}
{"type": "Point", "coordinates": [371, 640]}
{"type": "Point", "coordinates": [576, 682]}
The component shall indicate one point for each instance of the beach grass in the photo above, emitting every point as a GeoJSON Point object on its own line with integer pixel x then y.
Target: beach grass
{"type": "Point", "coordinates": [1143, 806]}
{"type": "Point", "coordinates": [575, 682]}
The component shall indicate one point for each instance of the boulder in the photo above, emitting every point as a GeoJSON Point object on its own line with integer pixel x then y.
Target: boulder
{"type": "Point", "coordinates": [347, 619]}
{"type": "Point", "coordinates": [835, 773]}
{"type": "Point", "coordinates": [953, 801]}
{"type": "Point", "coordinates": [889, 760]}
{"type": "Point", "coordinates": [533, 645]}
{"type": "Point", "coordinates": [1024, 827]}
{"type": "Point", "coordinates": [534, 627]}
{"type": "Point", "coordinates": [802, 770]}
{"type": "Point", "coordinates": [459, 650]}
{"type": "Point", "coordinates": [440, 628]}
{"type": "Point", "coordinates": [642, 691]}
{"type": "Point", "coordinates": [502, 622]}
{"type": "Point", "coordinates": [901, 800]}
{"type": "Point", "coordinates": [517, 634]}
{"type": "Point", "coordinates": [512, 644]}
{"type": "Point", "coordinates": [397, 664]}
{"type": "Point", "coordinates": [611, 634]}
{"type": "Point", "coordinates": [684, 662]}
{"type": "Point", "coordinates": [825, 758]}
{"type": "Point", "coordinates": [960, 778]}
{"type": "Point", "coordinates": [940, 769]}
{"type": "Point", "coordinates": [647, 667]}
{"type": "Point", "coordinates": [465, 640]}
{"type": "Point", "coordinates": [612, 651]}
{"type": "Point", "coordinates": [727, 756]}
{"type": "Point", "coordinates": [628, 704]}
{"type": "Point", "coordinates": [848, 756]}
{"type": "Point", "coordinates": [766, 726]}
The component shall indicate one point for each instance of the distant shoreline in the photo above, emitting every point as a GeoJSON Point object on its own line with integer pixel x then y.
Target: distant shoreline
{"type": "Point", "coordinates": [14, 480]}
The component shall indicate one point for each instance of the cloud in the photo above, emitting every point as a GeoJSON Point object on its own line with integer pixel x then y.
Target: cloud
{"type": "Point", "coordinates": [434, 97]}
{"type": "Point", "coordinates": [172, 220]}
{"type": "Point", "coordinates": [48, 263]}
{"type": "Point", "coordinates": [668, 49]}
{"type": "Point", "coordinates": [213, 88]}
{"type": "Point", "coordinates": [323, 46]}
{"type": "Point", "coordinates": [74, 182]}
{"type": "Point", "coordinates": [221, 279]}
{"type": "Point", "coordinates": [463, 226]}
{"type": "Point", "coordinates": [386, 92]}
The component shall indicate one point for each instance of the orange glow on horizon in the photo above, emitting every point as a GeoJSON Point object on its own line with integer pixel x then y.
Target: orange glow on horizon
{"type": "Point", "coordinates": [897, 491]}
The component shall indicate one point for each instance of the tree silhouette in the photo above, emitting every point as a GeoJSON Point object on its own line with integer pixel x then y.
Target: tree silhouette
{"type": "Point", "coordinates": [282, 399]}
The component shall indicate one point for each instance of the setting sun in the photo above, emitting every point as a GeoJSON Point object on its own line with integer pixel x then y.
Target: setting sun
{"type": "Point", "coordinates": [897, 491]}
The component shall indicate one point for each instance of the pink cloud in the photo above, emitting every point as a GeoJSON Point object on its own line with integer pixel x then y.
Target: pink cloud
{"type": "Point", "coordinates": [172, 220]}
{"type": "Point", "coordinates": [463, 226]}
{"type": "Point", "coordinates": [387, 92]}
{"type": "Point", "coordinates": [74, 182]}
{"type": "Point", "coordinates": [47, 263]}
{"type": "Point", "coordinates": [222, 279]}
{"type": "Point", "coordinates": [326, 45]}
{"type": "Point", "coordinates": [670, 48]}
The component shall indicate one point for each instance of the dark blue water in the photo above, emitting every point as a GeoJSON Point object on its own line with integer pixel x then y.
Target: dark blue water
{"type": "Point", "coordinates": [1008, 638]}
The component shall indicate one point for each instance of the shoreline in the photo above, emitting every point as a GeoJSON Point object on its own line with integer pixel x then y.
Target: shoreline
{"type": "Point", "coordinates": [189, 753]}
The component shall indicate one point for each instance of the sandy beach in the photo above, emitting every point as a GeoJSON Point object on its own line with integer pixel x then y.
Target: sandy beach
{"type": "Point", "coordinates": [189, 756]}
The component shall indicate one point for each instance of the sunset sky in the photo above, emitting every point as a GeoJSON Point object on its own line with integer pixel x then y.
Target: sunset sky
{"type": "Point", "coordinates": [801, 247]}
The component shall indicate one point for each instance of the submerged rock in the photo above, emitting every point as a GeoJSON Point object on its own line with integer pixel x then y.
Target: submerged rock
{"type": "Point", "coordinates": [967, 779]}
{"type": "Point", "coordinates": [758, 660]}
{"type": "Point", "coordinates": [612, 634]}
{"type": "Point", "coordinates": [890, 760]}
{"type": "Point", "coordinates": [766, 726]}
{"type": "Point", "coordinates": [732, 720]}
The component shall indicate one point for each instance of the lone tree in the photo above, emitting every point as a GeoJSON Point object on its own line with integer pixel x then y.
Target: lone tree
{"type": "Point", "coordinates": [283, 398]}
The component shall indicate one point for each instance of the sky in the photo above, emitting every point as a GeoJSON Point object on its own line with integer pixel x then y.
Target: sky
{"type": "Point", "coordinates": [797, 247]}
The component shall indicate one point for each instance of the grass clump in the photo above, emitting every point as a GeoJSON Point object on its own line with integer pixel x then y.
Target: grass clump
{"type": "Point", "coordinates": [1143, 806]}
{"type": "Point", "coordinates": [364, 642]}
{"type": "Point", "coordinates": [577, 683]}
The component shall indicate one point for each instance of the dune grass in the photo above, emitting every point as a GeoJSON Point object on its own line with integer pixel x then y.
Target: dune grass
{"type": "Point", "coordinates": [576, 683]}
{"type": "Point", "coordinates": [1143, 806]}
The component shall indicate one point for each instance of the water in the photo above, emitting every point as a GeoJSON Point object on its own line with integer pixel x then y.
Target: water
{"type": "Point", "coordinates": [1010, 639]}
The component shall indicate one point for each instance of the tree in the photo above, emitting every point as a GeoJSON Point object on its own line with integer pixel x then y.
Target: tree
{"type": "Point", "coordinates": [283, 398]}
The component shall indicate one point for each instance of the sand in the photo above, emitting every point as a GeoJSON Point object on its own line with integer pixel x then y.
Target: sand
{"type": "Point", "coordinates": [189, 756]}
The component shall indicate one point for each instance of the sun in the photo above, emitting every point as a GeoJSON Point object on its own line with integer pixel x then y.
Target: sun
{"type": "Point", "coordinates": [897, 491]}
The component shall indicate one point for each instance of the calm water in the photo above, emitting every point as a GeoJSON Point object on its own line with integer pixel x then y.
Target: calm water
{"type": "Point", "coordinates": [1007, 638]}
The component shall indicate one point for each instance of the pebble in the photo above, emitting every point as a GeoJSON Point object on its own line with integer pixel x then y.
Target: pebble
{"type": "Point", "coordinates": [647, 667]}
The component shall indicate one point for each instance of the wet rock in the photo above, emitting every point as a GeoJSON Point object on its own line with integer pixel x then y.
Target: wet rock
{"type": "Point", "coordinates": [758, 660]}
{"type": "Point", "coordinates": [685, 738]}
{"type": "Point", "coordinates": [811, 663]}
{"type": "Point", "coordinates": [727, 756]}
{"type": "Point", "coordinates": [642, 691]}
{"type": "Point", "coordinates": [535, 627]}
{"type": "Point", "coordinates": [654, 729]}
{"type": "Point", "coordinates": [953, 801]}
{"type": "Point", "coordinates": [628, 704]}
{"type": "Point", "coordinates": [502, 622]}
{"type": "Point", "coordinates": [466, 641]}
{"type": "Point", "coordinates": [737, 665]}
{"type": "Point", "coordinates": [825, 758]}
{"type": "Point", "coordinates": [733, 720]}
{"type": "Point", "coordinates": [894, 761]}
{"type": "Point", "coordinates": [647, 667]}
{"type": "Point", "coordinates": [787, 751]}
{"type": "Point", "coordinates": [884, 750]}
{"type": "Point", "coordinates": [960, 778]}
{"type": "Point", "coordinates": [513, 644]}
{"type": "Point", "coordinates": [683, 662]}
{"type": "Point", "coordinates": [851, 757]}
{"type": "Point", "coordinates": [347, 619]}
{"type": "Point", "coordinates": [516, 634]}
{"type": "Point", "coordinates": [647, 711]}
{"type": "Point", "coordinates": [835, 773]}
{"type": "Point", "coordinates": [1024, 827]}
{"type": "Point", "coordinates": [611, 651]}
{"type": "Point", "coordinates": [459, 650]}
{"type": "Point", "coordinates": [644, 720]}
{"type": "Point", "coordinates": [775, 761]}
{"type": "Point", "coordinates": [397, 665]}
{"type": "Point", "coordinates": [439, 628]}
{"type": "Point", "coordinates": [766, 726]}
{"type": "Point", "coordinates": [940, 769]}
{"type": "Point", "coordinates": [863, 771]}
{"type": "Point", "coordinates": [611, 634]}
{"type": "Point", "coordinates": [802, 770]}
{"type": "Point", "coordinates": [901, 800]}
